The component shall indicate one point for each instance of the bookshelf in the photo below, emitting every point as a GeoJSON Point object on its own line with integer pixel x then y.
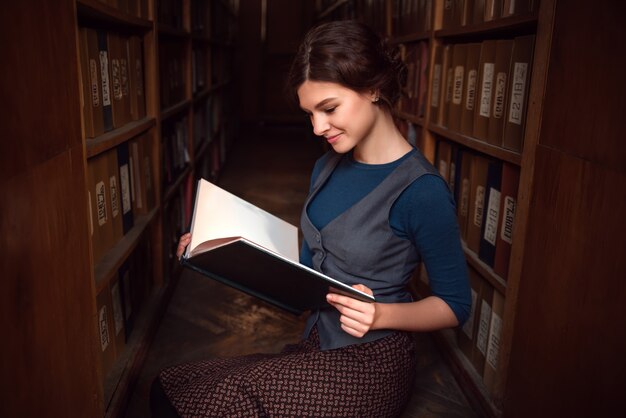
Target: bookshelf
{"type": "Point", "coordinates": [500, 382]}
{"type": "Point", "coordinates": [433, 109]}
{"type": "Point", "coordinates": [152, 104]}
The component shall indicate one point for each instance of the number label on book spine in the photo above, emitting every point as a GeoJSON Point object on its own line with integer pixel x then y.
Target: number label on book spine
{"type": "Point", "coordinates": [458, 84]}
{"type": "Point", "coordinates": [471, 89]}
{"type": "Point", "coordinates": [104, 329]}
{"type": "Point", "coordinates": [101, 203]}
{"type": "Point", "coordinates": [104, 73]}
{"type": "Point", "coordinates": [520, 71]}
{"type": "Point", "coordinates": [483, 327]}
{"type": "Point", "coordinates": [93, 77]}
{"type": "Point", "coordinates": [434, 101]}
{"type": "Point", "coordinates": [478, 206]}
{"type": "Point", "coordinates": [507, 220]}
{"type": "Point", "coordinates": [494, 340]}
{"type": "Point", "coordinates": [499, 94]}
{"type": "Point", "coordinates": [115, 205]}
{"type": "Point", "coordinates": [491, 221]}
{"type": "Point", "coordinates": [485, 89]}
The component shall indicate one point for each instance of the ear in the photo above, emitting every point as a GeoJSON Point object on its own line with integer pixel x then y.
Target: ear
{"type": "Point", "coordinates": [375, 96]}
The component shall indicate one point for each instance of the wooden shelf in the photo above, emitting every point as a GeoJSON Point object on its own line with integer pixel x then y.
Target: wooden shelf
{"type": "Point", "coordinates": [93, 12]}
{"type": "Point", "coordinates": [121, 379]}
{"type": "Point", "coordinates": [412, 37]}
{"type": "Point", "coordinates": [469, 380]}
{"type": "Point", "coordinates": [172, 32]}
{"type": "Point", "coordinates": [173, 188]}
{"type": "Point", "coordinates": [110, 263]}
{"type": "Point", "coordinates": [331, 8]}
{"type": "Point", "coordinates": [410, 118]}
{"type": "Point", "coordinates": [175, 109]}
{"type": "Point", "coordinates": [518, 24]}
{"type": "Point", "coordinates": [484, 270]}
{"type": "Point", "coordinates": [478, 145]}
{"type": "Point", "coordinates": [117, 136]}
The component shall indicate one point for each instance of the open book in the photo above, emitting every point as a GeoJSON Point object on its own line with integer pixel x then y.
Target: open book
{"type": "Point", "coordinates": [245, 247]}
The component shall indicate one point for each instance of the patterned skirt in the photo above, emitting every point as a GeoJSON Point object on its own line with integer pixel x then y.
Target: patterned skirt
{"type": "Point", "coordinates": [373, 379]}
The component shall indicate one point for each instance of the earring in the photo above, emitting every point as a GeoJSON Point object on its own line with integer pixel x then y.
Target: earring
{"type": "Point", "coordinates": [375, 99]}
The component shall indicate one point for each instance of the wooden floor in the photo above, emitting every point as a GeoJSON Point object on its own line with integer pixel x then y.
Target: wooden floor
{"type": "Point", "coordinates": [270, 167]}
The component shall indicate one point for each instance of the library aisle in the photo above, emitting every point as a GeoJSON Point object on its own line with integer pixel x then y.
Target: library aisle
{"type": "Point", "coordinates": [270, 167]}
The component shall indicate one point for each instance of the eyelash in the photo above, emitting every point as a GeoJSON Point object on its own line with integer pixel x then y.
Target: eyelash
{"type": "Point", "coordinates": [330, 110]}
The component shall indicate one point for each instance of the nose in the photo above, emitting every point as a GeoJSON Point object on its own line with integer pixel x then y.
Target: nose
{"type": "Point", "coordinates": [320, 124]}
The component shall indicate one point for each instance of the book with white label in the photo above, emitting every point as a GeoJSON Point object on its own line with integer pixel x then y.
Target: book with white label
{"type": "Point", "coordinates": [245, 247]}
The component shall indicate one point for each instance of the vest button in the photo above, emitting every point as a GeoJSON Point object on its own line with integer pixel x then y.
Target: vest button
{"type": "Point", "coordinates": [318, 238]}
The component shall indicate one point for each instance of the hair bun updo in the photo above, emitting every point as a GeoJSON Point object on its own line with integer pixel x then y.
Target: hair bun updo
{"type": "Point", "coordinates": [351, 54]}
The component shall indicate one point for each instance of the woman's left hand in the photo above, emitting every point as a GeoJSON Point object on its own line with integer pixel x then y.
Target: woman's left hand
{"type": "Point", "coordinates": [357, 317]}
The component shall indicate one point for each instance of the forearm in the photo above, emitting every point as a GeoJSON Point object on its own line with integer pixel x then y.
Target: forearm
{"type": "Point", "coordinates": [428, 314]}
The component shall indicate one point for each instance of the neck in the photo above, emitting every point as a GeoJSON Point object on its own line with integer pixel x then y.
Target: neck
{"type": "Point", "coordinates": [384, 144]}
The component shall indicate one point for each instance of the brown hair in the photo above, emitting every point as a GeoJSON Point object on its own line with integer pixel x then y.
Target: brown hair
{"type": "Point", "coordinates": [351, 54]}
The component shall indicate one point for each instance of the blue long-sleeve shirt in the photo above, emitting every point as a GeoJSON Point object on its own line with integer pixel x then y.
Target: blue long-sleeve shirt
{"type": "Point", "coordinates": [424, 214]}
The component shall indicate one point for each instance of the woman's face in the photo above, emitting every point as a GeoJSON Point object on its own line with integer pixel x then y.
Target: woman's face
{"type": "Point", "coordinates": [341, 115]}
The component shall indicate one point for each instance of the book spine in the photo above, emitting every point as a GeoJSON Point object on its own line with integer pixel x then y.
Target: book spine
{"type": "Point", "coordinates": [510, 183]}
{"type": "Point", "coordinates": [519, 85]}
{"type": "Point", "coordinates": [123, 163]}
{"type": "Point", "coordinates": [459, 60]}
{"type": "Point", "coordinates": [469, 94]}
{"type": "Point", "coordinates": [495, 131]}
{"type": "Point", "coordinates": [107, 110]}
{"type": "Point", "coordinates": [482, 111]}
{"type": "Point", "coordinates": [478, 184]}
{"type": "Point", "coordinates": [489, 229]}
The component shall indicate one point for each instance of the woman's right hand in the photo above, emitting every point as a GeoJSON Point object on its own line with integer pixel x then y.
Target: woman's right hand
{"type": "Point", "coordinates": [183, 242]}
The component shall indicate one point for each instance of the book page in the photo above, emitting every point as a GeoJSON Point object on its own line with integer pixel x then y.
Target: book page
{"type": "Point", "coordinates": [219, 214]}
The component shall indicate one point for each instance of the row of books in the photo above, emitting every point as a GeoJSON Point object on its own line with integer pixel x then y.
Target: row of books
{"type": "Point", "coordinates": [199, 69]}
{"type": "Point", "coordinates": [200, 17]}
{"type": "Point", "coordinates": [410, 131]}
{"type": "Point", "coordinates": [479, 338]}
{"type": "Point", "coordinates": [481, 89]}
{"type": "Point", "coordinates": [120, 187]}
{"type": "Point", "coordinates": [170, 13]}
{"type": "Point", "coordinates": [411, 16]}
{"type": "Point", "coordinates": [459, 13]}
{"type": "Point", "coordinates": [207, 115]}
{"type": "Point", "coordinates": [485, 190]}
{"type": "Point", "coordinates": [119, 301]}
{"type": "Point", "coordinates": [112, 77]}
{"type": "Point", "coordinates": [175, 150]}
{"type": "Point", "coordinates": [415, 89]}
{"type": "Point", "coordinates": [176, 221]}
{"type": "Point", "coordinates": [137, 8]}
{"type": "Point", "coordinates": [223, 25]}
{"type": "Point", "coordinates": [172, 65]}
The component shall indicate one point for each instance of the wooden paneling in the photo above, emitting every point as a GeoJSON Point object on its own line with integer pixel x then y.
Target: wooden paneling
{"type": "Point", "coordinates": [38, 89]}
{"type": "Point", "coordinates": [49, 362]}
{"type": "Point", "coordinates": [567, 356]}
{"type": "Point", "coordinates": [47, 316]}
{"type": "Point", "coordinates": [585, 86]}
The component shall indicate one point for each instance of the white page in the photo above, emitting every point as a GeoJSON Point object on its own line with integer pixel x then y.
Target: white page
{"type": "Point", "coordinates": [220, 214]}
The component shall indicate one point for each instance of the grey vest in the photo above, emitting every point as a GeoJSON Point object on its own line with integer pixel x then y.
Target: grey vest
{"type": "Point", "coordinates": [359, 246]}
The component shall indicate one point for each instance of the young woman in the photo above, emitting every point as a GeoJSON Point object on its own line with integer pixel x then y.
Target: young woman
{"type": "Point", "coordinates": [376, 208]}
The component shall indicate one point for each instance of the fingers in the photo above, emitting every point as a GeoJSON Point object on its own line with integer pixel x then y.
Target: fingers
{"type": "Point", "coordinates": [356, 317]}
{"type": "Point", "coordinates": [184, 240]}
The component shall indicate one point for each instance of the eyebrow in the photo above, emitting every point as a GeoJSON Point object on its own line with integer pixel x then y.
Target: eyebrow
{"type": "Point", "coordinates": [322, 103]}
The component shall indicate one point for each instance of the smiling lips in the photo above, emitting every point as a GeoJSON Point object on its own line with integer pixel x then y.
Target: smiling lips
{"type": "Point", "coordinates": [332, 139]}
